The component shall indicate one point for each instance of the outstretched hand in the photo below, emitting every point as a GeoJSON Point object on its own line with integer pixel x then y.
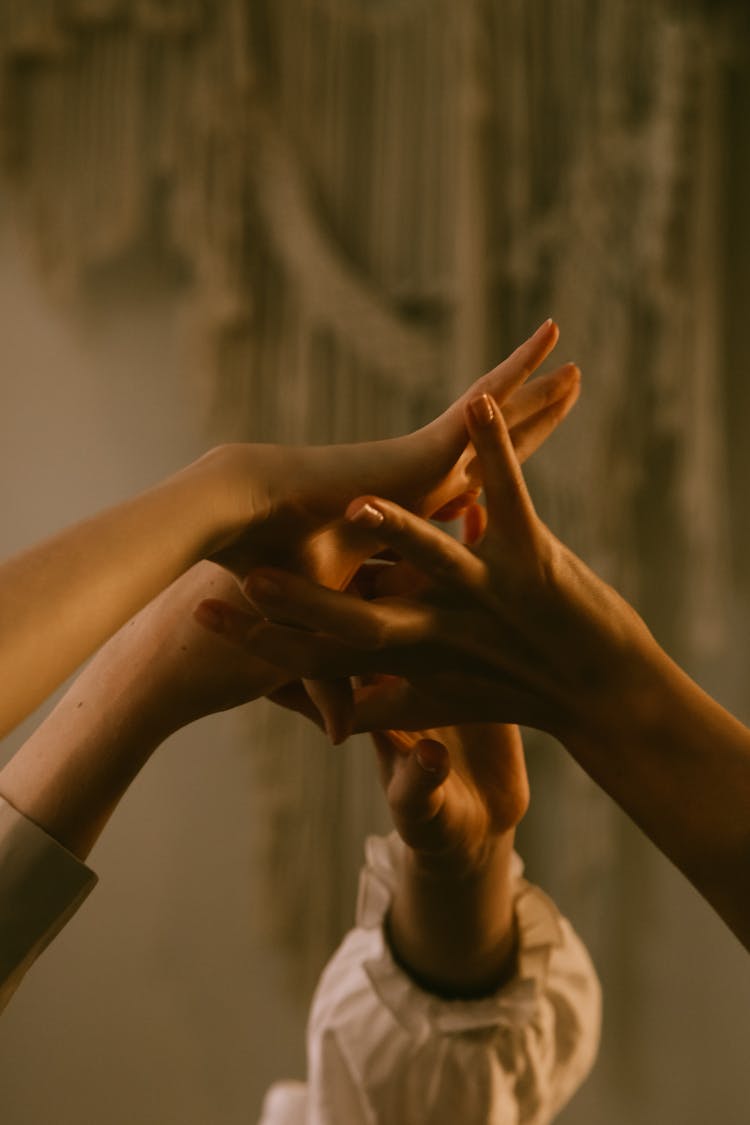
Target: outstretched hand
{"type": "Point", "coordinates": [300, 493]}
{"type": "Point", "coordinates": [516, 630]}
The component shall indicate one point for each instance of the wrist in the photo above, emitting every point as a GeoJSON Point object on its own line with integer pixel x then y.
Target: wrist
{"type": "Point", "coordinates": [226, 492]}
{"type": "Point", "coordinates": [451, 926]}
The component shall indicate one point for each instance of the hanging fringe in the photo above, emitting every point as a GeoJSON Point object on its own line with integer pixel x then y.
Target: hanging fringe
{"type": "Point", "coordinates": [374, 202]}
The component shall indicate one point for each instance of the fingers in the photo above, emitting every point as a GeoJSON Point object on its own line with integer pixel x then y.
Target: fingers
{"type": "Point", "coordinates": [529, 434]}
{"type": "Point", "coordinates": [426, 547]}
{"type": "Point", "coordinates": [503, 380]}
{"type": "Point", "coordinates": [509, 506]}
{"type": "Point", "coordinates": [221, 617]}
{"type": "Point", "coordinates": [301, 654]}
{"type": "Point", "coordinates": [445, 437]}
{"type": "Point", "coordinates": [539, 393]}
{"type": "Point", "coordinates": [415, 794]}
{"type": "Point", "coordinates": [454, 508]}
{"type": "Point", "coordinates": [292, 600]}
{"type": "Point", "coordinates": [474, 524]}
{"type": "Point", "coordinates": [309, 656]}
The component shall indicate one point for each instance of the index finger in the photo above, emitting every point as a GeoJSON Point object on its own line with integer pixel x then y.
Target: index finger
{"type": "Point", "coordinates": [424, 546]}
{"type": "Point", "coordinates": [502, 380]}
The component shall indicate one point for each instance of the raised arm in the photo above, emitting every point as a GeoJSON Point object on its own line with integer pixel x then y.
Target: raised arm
{"type": "Point", "coordinates": [240, 504]}
{"type": "Point", "coordinates": [158, 673]}
{"type": "Point", "coordinates": [522, 630]}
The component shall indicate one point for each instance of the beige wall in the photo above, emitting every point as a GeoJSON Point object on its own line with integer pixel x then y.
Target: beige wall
{"type": "Point", "coordinates": [148, 1007]}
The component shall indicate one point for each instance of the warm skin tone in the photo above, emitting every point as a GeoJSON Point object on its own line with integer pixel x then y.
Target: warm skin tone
{"type": "Point", "coordinates": [240, 504]}
{"type": "Point", "coordinates": [456, 795]}
{"type": "Point", "coordinates": [161, 671]}
{"type": "Point", "coordinates": [519, 629]}
{"type": "Point", "coordinates": [451, 922]}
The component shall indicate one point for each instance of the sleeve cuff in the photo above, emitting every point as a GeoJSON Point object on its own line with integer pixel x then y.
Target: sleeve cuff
{"type": "Point", "coordinates": [41, 887]}
{"type": "Point", "coordinates": [515, 1004]}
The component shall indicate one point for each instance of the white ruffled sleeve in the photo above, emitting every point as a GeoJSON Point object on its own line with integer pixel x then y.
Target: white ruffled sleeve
{"type": "Point", "coordinates": [41, 887]}
{"type": "Point", "coordinates": [381, 1051]}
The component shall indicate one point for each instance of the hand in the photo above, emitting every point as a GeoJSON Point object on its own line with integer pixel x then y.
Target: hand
{"type": "Point", "coordinates": [516, 630]}
{"type": "Point", "coordinates": [520, 629]}
{"type": "Point", "coordinates": [453, 792]}
{"type": "Point", "coordinates": [297, 495]}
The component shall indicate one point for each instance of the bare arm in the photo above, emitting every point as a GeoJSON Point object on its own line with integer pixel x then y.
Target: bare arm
{"type": "Point", "coordinates": [456, 796]}
{"type": "Point", "coordinates": [521, 630]}
{"type": "Point", "coordinates": [158, 673]}
{"type": "Point", "coordinates": [240, 503]}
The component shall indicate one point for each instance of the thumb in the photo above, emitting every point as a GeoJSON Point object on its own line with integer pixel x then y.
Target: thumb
{"type": "Point", "coordinates": [416, 793]}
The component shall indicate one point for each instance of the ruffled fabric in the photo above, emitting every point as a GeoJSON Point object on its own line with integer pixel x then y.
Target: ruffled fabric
{"type": "Point", "coordinates": [383, 1051]}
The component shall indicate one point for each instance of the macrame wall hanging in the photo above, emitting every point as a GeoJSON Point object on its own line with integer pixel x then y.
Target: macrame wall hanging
{"type": "Point", "coordinates": [374, 200]}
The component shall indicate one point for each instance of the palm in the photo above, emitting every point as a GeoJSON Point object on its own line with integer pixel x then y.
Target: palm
{"type": "Point", "coordinates": [484, 795]}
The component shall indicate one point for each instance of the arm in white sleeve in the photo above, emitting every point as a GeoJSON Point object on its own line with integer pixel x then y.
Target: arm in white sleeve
{"type": "Point", "coordinates": [381, 1050]}
{"type": "Point", "coordinates": [41, 887]}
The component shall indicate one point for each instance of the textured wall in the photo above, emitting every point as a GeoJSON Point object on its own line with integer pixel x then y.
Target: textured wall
{"type": "Point", "coordinates": [147, 1008]}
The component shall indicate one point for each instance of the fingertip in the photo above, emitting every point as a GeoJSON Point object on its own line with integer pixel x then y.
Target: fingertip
{"type": "Point", "coordinates": [210, 615]}
{"type": "Point", "coordinates": [474, 523]}
{"type": "Point", "coordinates": [573, 392]}
{"type": "Point", "coordinates": [481, 411]}
{"type": "Point", "coordinates": [365, 511]}
{"type": "Point", "coordinates": [484, 418]}
{"type": "Point", "coordinates": [433, 758]}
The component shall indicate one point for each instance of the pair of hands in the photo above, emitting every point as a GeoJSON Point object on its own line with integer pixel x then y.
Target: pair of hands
{"type": "Point", "coordinates": [509, 626]}
{"type": "Point", "coordinates": [454, 788]}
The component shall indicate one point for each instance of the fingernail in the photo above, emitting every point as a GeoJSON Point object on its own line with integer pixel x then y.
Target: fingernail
{"type": "Point", "coordinates": [482, 410]}
{"type": "Point", "coordinates": [423, 757]}
{"type": "Point", "coordinates": [546, 324]}
{"type": "Point", "coordinates": [209, 616]}
{"type": "Point", "coordinates": [368, 516]}
{"type": "Point", "coordinates": [262, 587]}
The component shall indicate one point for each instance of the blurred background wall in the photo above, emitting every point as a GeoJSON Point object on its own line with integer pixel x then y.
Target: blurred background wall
{"type": "Point", "coordinates": [316, 221]}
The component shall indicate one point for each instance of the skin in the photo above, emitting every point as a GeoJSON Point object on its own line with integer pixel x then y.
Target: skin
{"type": "Point", "coordinates": [520, 629]}
{"type": "Point", "coordinates": [241, 505]}
{"type": "Point", "coordinates": [63, 597]}
{"type": "Point", "coordinates": [456, 795]}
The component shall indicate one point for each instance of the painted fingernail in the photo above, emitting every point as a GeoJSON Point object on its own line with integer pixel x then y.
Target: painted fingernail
{"type": "Point", "coordinates": [209, 616]}
{"type": "Point", "coordinates": [367, 516]}
{"type": "Point", "coordinates": [482, 410]}
{"type": "Point", "coordinates": [428, 763]}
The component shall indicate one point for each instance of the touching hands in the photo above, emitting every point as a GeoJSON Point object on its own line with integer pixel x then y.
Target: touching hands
{"type": "Point", "coordinates": [294, 497]}
{"type": "Point", "coordinates": [515, 630]}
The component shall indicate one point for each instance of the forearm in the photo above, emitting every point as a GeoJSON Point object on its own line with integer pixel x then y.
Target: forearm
{"type": "Point", "coordinates": [70, 774]}
{"type": "Point", "coordinates": [453, 931]}
{"type": "Point", "coordinates": [62, 598]}
{"type": "Point", "coordinates": [679, 764]}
